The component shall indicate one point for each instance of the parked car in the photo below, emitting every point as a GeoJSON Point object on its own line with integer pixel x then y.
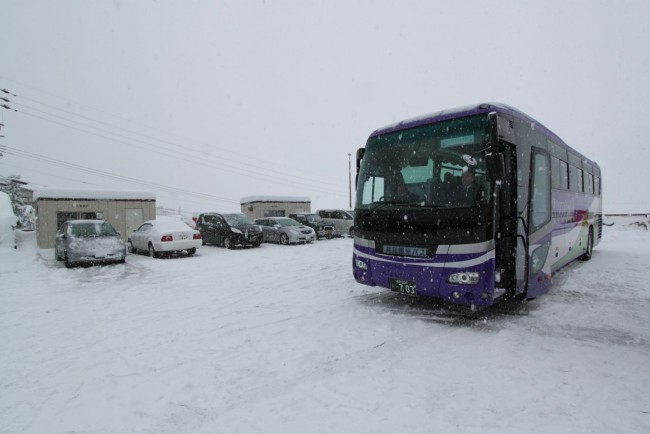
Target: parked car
{"type": "Point", "coordinates": [229, 230]}
{"type": "Point", "coordinates": [156, 237]}
{"type": "Point", "coordinates": [88, 242]}
{"type": "Point", "coordinates": [314, 221]}
{"type": "Point", "coordinates": [342, 221]}
{"type": "Point", "coordinates": [285, 230]}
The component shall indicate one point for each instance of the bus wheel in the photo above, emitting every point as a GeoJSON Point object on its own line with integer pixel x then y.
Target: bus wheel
{"type": "Point", "coordinates": [590, 246]}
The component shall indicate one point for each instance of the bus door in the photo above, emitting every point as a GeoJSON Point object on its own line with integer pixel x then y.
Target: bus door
{"type": "Point", "coordinates": [538, 264]}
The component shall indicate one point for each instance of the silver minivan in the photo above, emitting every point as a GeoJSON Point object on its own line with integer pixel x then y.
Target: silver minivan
{"type": "Point", "coordinates": [341, 220]}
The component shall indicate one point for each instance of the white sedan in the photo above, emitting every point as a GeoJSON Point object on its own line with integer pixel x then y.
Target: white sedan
{"type": "Point", "coordinates": [164, 236]}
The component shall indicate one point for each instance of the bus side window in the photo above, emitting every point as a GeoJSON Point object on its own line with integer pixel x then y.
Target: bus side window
{"type": "Point", "coordinates": [564, 175]}
{"type": "Point", "coordinates": [580, 179]}
{"type": "Point", "coordinates": [555, 172]}
{"type": "Point", "coordinates": [373, 189]}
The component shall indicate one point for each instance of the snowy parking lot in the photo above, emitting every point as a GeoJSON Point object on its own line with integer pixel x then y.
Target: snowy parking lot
{"type": "Point", "coordinates": [281, 339]}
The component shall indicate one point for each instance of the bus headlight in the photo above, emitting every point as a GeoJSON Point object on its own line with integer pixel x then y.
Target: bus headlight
{"type": "Point", "coordinates": [360, 264]}
{"type": "Point", "coordinates": [464, 278]}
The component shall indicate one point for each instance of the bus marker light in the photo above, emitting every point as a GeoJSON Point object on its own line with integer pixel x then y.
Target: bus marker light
{"type": "Point", "coordinates": [455, 295]}
{"type": "Point", "coordinates": [464, 278]}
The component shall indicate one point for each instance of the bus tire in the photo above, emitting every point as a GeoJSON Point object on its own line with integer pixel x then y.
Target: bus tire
{"type": "Point", "coordinates": [590, 246]}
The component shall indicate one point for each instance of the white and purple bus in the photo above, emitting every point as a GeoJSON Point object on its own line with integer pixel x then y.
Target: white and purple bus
{"type": "Point", "coordinates": [472, 205]}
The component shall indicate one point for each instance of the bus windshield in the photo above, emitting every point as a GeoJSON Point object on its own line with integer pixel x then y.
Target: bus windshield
{"type": "Point", "coordinates": [439, 165]}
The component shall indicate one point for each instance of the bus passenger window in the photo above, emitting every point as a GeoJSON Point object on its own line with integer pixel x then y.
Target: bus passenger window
{"type": "Point", "coordinates": [573, 183]}
{"type": "Point", "coordinates": [564, 175]}
{"type": "Point", "coordinates": [555, 172]}
{"type": "Point", "coordinates": [580, 178]}
{"type": "Point", "coordinates": [589, 183]}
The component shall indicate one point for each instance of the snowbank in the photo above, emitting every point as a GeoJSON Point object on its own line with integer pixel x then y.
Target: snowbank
{"type": "Point", "coordinates": [8, 222]}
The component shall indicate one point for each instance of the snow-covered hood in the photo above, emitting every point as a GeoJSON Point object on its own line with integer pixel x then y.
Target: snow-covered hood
{"type": "Point", "coordinates": [96, 246]}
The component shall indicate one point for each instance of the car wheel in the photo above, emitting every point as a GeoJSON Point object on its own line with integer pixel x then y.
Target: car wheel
{"type": "Point", "coordinates": [68, 264]}
{"type": "Point", "coordinates": [191, 251]}
{"type": "Point", "coordinates": [227, 243]}
{"type": "Point", "coordinates": [152, 251]}
{"type": "Point", "coordinates": [352, 232]}
{"type": "Point", "coordinates": [284, 239]}
{"type": "Point", "coordinates": [131, 248]}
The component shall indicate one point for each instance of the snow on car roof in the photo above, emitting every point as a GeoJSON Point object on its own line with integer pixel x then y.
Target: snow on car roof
{"type": "Point", "coordinates": [91, 194]}
{"type": "Point", "coordinates": [168, 225]}
{"type": "Point", "coordinates": [250, 199]}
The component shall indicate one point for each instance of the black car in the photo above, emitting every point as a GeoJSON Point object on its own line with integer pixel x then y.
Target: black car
{"type": "Point", "coordinates": [228, 230]}
{"type": "Point", "coordinates": [314, 221]}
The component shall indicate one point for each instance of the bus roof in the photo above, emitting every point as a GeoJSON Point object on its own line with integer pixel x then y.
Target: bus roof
{"type": "Point", "coordinates": [483, 108]}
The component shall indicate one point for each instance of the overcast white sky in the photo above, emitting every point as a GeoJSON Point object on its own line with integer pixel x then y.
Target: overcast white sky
{"type": "Point", "coordinates": [205, 102]}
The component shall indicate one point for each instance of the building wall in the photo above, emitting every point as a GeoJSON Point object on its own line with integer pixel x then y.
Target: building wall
{"type": "Point", "coordinates": [261, 209]}
{"type": "Point", "coordinates": [113, 211]}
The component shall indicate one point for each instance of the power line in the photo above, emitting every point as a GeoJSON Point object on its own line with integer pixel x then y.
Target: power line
{"type": "Point", "coordinates": [37, 157]}
{"type": "Point", "coordinates": [271, 174]}
{"type": "Point", "coordinates": [58, 176]}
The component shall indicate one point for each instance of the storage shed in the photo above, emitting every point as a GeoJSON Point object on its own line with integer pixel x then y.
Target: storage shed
{"type": "Point", "coordinates": [257, 207]}
{"type": "Point", "coordinates": [125, 210]}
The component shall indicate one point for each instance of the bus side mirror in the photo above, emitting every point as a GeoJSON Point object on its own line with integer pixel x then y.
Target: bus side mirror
{"type": "Point", "coordinates": [360, 153]}
{"type": "Point", "coordinates": [495, 166]}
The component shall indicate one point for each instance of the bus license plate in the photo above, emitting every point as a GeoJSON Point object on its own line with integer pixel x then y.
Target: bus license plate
{"type": "Point", "coordinates": [402, 286]}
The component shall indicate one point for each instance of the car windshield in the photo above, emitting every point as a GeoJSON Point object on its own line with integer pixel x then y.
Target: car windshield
{"type": "Point", "coordinates": [288, 222]}
{"type": "Point", "coordinates": [425, 166]}
{"type": "Point", "coordinates": [238, 219]}
{"type": "Point", "coordinates": [314, 218]}
{"type": "Point", "coordinates": [92, 229]}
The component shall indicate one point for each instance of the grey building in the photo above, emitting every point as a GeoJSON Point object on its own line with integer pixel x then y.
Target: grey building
{"type": "Point", "coordinates": [125, 210]}
{"type": "Point", "coordinates": [257, 207]}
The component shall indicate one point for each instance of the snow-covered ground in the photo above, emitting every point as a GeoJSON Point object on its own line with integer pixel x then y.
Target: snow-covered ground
{"type": "Point", "coordinates": [281, 339]}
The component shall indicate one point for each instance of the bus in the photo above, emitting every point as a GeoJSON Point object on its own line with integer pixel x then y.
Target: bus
{"type": "Point", "coordinates": [471, 206]}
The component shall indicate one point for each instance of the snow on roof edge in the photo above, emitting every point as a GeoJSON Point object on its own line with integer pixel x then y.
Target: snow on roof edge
{"type": "Point", "coordinates": [91, 194]}
{"type": "Point", "coordinates": [249, 199]}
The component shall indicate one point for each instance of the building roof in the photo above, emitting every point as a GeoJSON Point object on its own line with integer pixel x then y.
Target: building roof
{"type": "Point", "coordinates": [252, 199]}
{"type": "Point", "coordinates": [91, 194]}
